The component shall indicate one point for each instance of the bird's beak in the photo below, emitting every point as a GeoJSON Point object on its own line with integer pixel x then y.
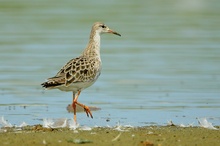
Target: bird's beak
{"type": "Point", "coordinates": [113, 32]}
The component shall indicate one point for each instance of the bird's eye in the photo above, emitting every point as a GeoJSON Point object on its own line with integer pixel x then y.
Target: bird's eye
{"type": "Point", "coordinates": [103, 26]}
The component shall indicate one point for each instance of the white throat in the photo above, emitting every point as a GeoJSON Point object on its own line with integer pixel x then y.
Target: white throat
{"type": "Point", "coordinates": [96, 39]}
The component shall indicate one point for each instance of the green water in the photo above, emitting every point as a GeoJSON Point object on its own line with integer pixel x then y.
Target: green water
{"type": "Point", "coordinates": [165, 66]}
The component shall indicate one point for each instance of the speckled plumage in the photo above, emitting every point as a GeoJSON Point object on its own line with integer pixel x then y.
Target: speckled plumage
{"type": "Point", "coordinates": [81, 72]}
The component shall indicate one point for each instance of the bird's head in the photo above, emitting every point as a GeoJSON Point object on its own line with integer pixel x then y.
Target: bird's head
{"type": "Point", "coordinates": [102, 28]}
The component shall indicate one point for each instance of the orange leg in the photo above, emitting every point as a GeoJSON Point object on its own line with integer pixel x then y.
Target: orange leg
{"type": "Point", "coordinates": [74, 105]}
{"type": "Point", "coordinates": [86, 108]}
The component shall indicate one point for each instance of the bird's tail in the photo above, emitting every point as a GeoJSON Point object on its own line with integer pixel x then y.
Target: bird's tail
{"type": "Point", "coordinates": [49, 84]}
{"type": "Point", "coordinates": [52, 82]}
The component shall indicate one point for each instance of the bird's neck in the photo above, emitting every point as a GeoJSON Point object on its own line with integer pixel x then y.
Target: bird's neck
{"type": "Point", "coordinates": [93, 47]}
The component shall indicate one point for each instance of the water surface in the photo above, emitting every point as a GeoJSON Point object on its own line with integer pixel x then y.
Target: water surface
{"type": "Point", "coordinates": [164, 67]}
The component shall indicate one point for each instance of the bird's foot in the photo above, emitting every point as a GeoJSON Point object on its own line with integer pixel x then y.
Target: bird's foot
{"type": "Point", "coordinates": [86, 109]}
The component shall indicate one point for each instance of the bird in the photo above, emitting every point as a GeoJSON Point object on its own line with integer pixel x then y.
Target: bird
{"type": "Point", "coordinates": [81, 72]}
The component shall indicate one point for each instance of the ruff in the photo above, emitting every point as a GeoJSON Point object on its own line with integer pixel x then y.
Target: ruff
{"type": "Point", "coordinates": [81, 72]}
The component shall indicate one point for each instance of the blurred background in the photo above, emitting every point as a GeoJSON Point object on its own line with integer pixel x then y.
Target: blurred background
{"type": "Point", "coordinates": [166, 65]}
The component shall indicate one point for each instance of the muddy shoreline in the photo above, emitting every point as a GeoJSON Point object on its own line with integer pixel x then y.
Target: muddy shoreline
{"type": "Point", "coordinates": [140, 136]}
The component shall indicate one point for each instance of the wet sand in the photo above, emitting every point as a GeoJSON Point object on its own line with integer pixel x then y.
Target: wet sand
{"type": "Point", "coordinates": [137, 136]}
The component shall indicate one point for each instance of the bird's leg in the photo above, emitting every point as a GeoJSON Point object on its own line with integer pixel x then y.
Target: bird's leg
{"type": "Point", "coordinates": [75, 97]}
{"type": "Point", "coordinates": [86, 108]}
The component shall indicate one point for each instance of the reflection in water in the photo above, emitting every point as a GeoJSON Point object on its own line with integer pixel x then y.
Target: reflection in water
{"type": "Point", "coordinates": [165, 66]}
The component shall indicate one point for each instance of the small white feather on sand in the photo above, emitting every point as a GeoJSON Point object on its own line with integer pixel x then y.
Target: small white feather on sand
{"type": "Point", "coordinates": [205, 124]}
{"type": "Point", "coordinates": [5, 123]}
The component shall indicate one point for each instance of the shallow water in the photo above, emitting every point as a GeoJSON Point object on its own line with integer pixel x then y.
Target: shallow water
{"type": "Point", "coordinates": [164, 67]}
